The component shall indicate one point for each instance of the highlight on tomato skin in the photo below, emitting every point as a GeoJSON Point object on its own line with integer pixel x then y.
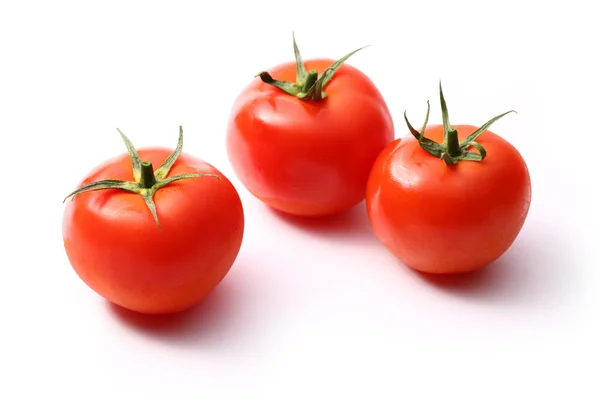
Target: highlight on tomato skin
{"type": "Point", "coordinates": [448, 199]}
{"type": "Point", "coordinates": [155, 241]}
{"type": "Point", "coordinates": [303, 136]}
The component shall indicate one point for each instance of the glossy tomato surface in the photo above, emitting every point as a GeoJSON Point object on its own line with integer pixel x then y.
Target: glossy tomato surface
{"type": "Point", "coordinates": [116, 248]}
{"type": "Point", "coordinates": [448, 219]}
{"type": "Point", "coordinates": [309, 158]}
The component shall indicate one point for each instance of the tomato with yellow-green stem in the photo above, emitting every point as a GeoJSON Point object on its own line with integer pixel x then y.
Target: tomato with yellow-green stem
{"type": "Point", "coordinates": [449, 199]}
{"type": "Point", "coordinates": [153, 241]}
{"type": "Point", "coordinates": [304, 136]}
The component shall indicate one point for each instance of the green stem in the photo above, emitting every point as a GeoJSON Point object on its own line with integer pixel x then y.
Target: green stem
{"type": "Point", "coordinates": [147, 180]}
{"type": "Point", "coordinates": [452, 143]}
{"type": "Point", "coordinates": [308, 85]}
{"type": "Point", "coordinates": [146, 183]}
{"type": "Point", "coordinates": [316, 92]}
{"type": "Point", "coordinates": [311, 78]}
{"type": "Point", "coordinates": [452, 151]}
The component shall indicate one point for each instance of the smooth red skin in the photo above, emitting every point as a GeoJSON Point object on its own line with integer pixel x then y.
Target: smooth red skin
{"type": "Point", "coordinates": [303, 157]}
{"type": "Point", "coordinates": [445, 220]}
{"type": "Point", "coordinates": [116, 248]}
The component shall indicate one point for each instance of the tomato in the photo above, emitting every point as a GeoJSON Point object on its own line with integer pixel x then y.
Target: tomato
{"type": "Point", "coordinates": [451, 199]}
{"type": "Point", "coordinates": [155, 242]}
{"type": "Point", "coordinates": [303, 140]}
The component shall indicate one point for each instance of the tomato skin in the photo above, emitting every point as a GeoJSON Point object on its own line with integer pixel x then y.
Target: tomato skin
{"type": "Point", "coordinates": [445, 220]}
{"type": "Point", "coordinates": [308, 158]}
{"type": "Point", "coordinates": [116, 248]}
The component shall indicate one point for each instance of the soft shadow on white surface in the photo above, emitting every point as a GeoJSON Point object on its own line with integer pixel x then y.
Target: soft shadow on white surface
{"type": "Point", "coordinates": [535, 271]}
{"type": "Point", "coordinates": [352, 224]}
{"type": "Point", "coordinates": [209, 323]}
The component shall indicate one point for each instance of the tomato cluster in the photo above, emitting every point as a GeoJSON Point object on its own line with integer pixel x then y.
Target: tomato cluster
{"type": "Point", "coordinates": [309, 138]}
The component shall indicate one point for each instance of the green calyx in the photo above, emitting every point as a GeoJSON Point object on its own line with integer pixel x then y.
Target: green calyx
{"type": "Point", "coordinates": [451, 151]}
{"type": "Point", "coordinates": [147, 181]}
{"type": "Point", "coordinates": [309, 85]}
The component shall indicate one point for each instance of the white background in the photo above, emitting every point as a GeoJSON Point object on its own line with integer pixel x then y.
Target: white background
{"type": "Point", "coordinates": [309, 310]}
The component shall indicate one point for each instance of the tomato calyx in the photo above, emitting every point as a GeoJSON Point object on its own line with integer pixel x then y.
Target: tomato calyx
{"type": "Point", "coordinates": [451, 151]}
{"type": "Point", "coordinates": [309, 85]}
{"type": "Point", "coordinates": [147, 181]}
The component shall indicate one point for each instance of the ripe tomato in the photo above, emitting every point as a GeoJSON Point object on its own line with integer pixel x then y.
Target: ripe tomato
{"type": "Point", "coordinates": [154, 242]}
{"type": "Point", "coordinates": [441, 207]}
{"type": "Point", "coordinates": [304, 143]}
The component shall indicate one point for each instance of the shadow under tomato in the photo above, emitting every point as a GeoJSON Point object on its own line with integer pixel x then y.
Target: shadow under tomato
{"type": "Point", "coordinates": [535, 271]}
{"type": "Point", "coordinates": [210, 321]}
{"type": "Point", "coordinates": [483, 281]}
{"type": "Point", "coordinates": [350, 224]}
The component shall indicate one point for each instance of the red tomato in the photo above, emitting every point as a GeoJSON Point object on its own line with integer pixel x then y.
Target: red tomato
{"type": "Point", "coordinates": [154, 264]}
{"type": "Point", "coordinates": [305, 148]}
{"type": "Point", "coordinates": [452, 217]}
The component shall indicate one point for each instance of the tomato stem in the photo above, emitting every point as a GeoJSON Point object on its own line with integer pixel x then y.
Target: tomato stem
{"type": "Point", "coordinates": [308, 85]}
{"type": "Point", "coordinates": [147, 179]}
{"type": "Point", "coordinates": [452, 143]}
{"type": "Point", "coordinates": [452, 151]}
{"type": "Point", "coordinates": [311, 78]}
